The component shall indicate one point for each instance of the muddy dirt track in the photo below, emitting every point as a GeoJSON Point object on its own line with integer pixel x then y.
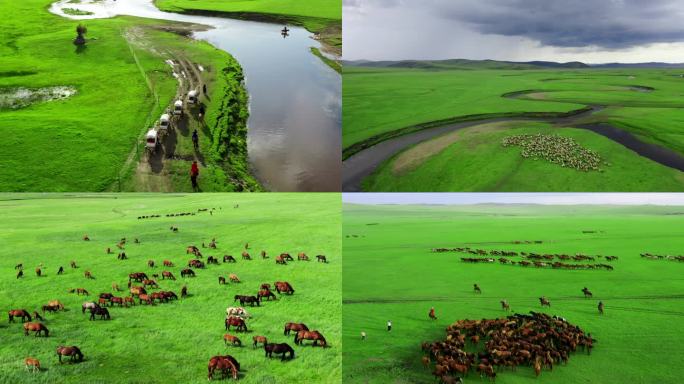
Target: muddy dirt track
{"type": "Point", "coordinates": [362, 164]}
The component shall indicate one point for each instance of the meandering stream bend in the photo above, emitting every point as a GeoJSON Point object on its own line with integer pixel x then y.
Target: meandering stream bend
{"type": "Point", "coordinates": [361, 165]}
{"type": "Point", "coordinates": [294, 137]}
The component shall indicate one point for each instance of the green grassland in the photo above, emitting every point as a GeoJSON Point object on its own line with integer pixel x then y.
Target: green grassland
{"type": "Point", "coordinates": [123, 84]}
{"type": "Point", "coordinates": [319, 16]}
{"type": "Point", "coordinates": [475, 160]}
{"type": "Point", "coordinates": [172, 342]}
{"type": "Point", "coordinates": [390, 274]}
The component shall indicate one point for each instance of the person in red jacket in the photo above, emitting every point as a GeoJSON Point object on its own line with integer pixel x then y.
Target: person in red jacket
{"type": "Point", "coordinates": [194, 172]}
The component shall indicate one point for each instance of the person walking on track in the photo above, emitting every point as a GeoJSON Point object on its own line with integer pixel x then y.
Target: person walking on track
{"type": "Point", "coordinates": [195, 139]}
{"type": "Point", "coordinates": [194, 173]}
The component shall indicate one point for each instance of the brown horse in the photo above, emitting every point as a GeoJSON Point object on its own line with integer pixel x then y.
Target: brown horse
{"type": "Point", "coordinates": [259, 339]}
{"type": "Point", "coordinates": [37, 316]}
{"type": "Point", "coordinates": [237, 322]}
{"type": "Point", "coordinates": [86, 238]}
{"type": "Point", "coordinates": [263, 255]}
{"type": "Point", "coordinates": [505, 306]}
{"type": "Point", "coordinates": [310, 335]}
{"type": "Point", "coordinates": [284, 287]}
{"type": "Point", "coordinates": [246, 256]}
{"type": "Point", "coordinates": [129, 301]}
{"type": "Point", "coordinates": [234, 278]}
{"type": "Point", "coordinates": [150, 263]}
{"type": "Point", "coordinates": [168, 275]}
{"type": "Point", "coordinates": [117, 300]}
{"type": "Point", "coordinates": [143, 297]}
{"type": "Point", "coordinates": [229, 259]}
{"type": "Point", "coordinates": [38, 272]}
{"type": "Point", "coordinates": [294, 327]}
{"type": "Point", "coordinates": [150, 283]}
{"type": "Point", "coordinates": [74, 352]}
{"type": "Point", "coordinates": [544, 302]}
{"type": "Point", "coordinates": [587, 293]}
{"type": "Point", "coordinates": [137, 291]}
{"type": "Point", "coordinates": [267, 294]}
{"type": "Point", "coordinates": [286, 256]}
{"type": "Point", "coordinates": [280, 260]}
{"type": "Point", "coordinates": [222, 280]}
{"type": "Point", "coordinates": [79, 291]}
{"type": "Point", "coordinates": [88, 275]}
{"type": "Point", "coordinates": [600, 307]}
{"type": "Point", "coordinates": [192, 249]}
{"type": "Point", "coordinates": [32, 364]}
{"type": "Point", "coordinates": [72, 264]}
{"type": "Point", "coordinates": [233, 340]}
{"type": "Point", "coordinates": [302, 256]}
{"type": "Point", "coordinates": [99, 311]}
{"type": "Point", "coordinates": [168, 263]}
{"type": "Point", "coordinates": [37, 328]}
{"type": "Point", "coordinates": [282, 348]}
{"type": "Point", "coordinates": [49, 308]}
{"type": "Point", "coordinates": [19, 313]}
{"type": "Point", "coordinates": [57, 304]}
{"type": "Point", "coordinates": [187, 272]}
{"type": "Point", "coordinates": [224, 364]}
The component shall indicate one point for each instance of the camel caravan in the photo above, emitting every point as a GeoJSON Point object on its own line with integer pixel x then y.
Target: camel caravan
{"type": "Point", "coordinates": [556, 149]}
{"type": "Point", "coordinates": [650, 256]}
{"type": "Point", "coordinates": [537, 340]}
{"type": "Point", "coordinates": [144, 290]}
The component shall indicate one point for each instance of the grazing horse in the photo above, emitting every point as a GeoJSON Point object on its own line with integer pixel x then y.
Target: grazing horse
{"type": "Point", "coordinates": [544, 302]}
{"type": "Point", "coordinates": [137, 291]}
{"type": "Point", "coordinates": [79, 291]}
{"type": "Point", "coordinates": [20, 273]}
{"type": "Point", "coordinates": [282, 348]}
{"type": "Point", "coordinates": [431, 314]}
{"type": "Point", "coordinates": [121, 256]}
{"type": "Point", "coordinates": [19, 266]}
{"type": "Point", "coordinates": [229, 259]}
{"type": "Point", "coordinates": [259, 339]}
{"type": "Point", "coordinates": [129, 300]}
{"type": "Point", "coordinates": [88, 275]}
{"type": "Point", "coordinates": [86, 238]}
{"type": "Point", "coordinates": [246, 256]}
{"type": "Point", "coordinates": [310, 335]}
{"type": "Point", "coordinates": [73, 352]}
{"type": "Point", "coordinates": [37, 328]}
{"type": "Point", "coordinates": [99, 311]}
{"type": "Point", "coordinates": [280, 260]}
{"type": "Point", "coordinates": [224, 364]}
{"type": "Point", "coordinates": [267, 294]}
{"type": "Point", "coordinates": [476, 288]}
{"type": "Point", "coordinates": [167, 263]}
{"type": "Point", "coordinates": [284, 287]}
{"type": "Point", "coordinates": [194, 250]}
{"type": "Point", "coordinates": [88, 305]}
{"type": "Point", "coordinates": [237, 311]}
{"type": "Point", "coordinates": [212, 260]}
{"type": "Point", "coordinates": [150, 263]}
{"type": "Point", "coordinates": [321, 258]}
{"type": "Point", "coordinates": [286, 256]}
{"type": "Point", "coordinates": [234, 278]}
{"type": "Point", "coordinates": [37, 316]}
{"type": "Point", "coordinates": [57, 304]}
{"type": "Point", "coordinates": [294, 327]}
{"type": "Point", "coordinates": [505, 306]}
{"type": "Point", "coordinates": [222, 280]}
{"type": "Point", "coordinates": [265, 286]}
{"type": "Point", "coordinates": [108, 251]}
{"type": "Point", "coordinates": [146, 298]}
{"type": "Point", "coordinates": [248, 299]}
{"type": "Point", "coordinates": [137, 276]}
{"type": "Point", "coordinates": [115, 287]}
{"type": "Point", "coordinates": [169, 275]}
{"type": "Point", "coordinates": [117, 300]}
{"type": "Point", "coordinates": [73, 265]}
{"type": "Point", "coordinates": [19, 313]}
{"type": "Point", "coordinates": [537, 366]}
{"type": "Point", "coordinates": [32, 364]}
{"type": "Point", "coordinates": [38, 272]}
{"type": "Point", "coordinates": [233, 340]}
{"type": "Point", "coordinates": [60, 270]}
{"type": "Point", "coordinates": [587, 293]}
{"type": "Point", "coordinates": [49, 308]}
{"type": "Point", "coordinates": [302, 256]}
{"type": "Point", "coordinates": [486, 370]}
{"type": "Point", "coordinates": [263, 255]}
{"type": "Point", "coordinates": [187, 272]}
{"type": "Point", "coordinates": [150, 283]}
{"type": "Point", "coordinates": [184, 291]}
{"type": "Point", "coordinates": [237, 322]}
{"type": "Point", "coordinates": [194, 263]}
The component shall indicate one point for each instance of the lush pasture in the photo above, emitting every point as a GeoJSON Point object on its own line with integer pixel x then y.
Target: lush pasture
{"type": "Point", "coordinates": [169, 343]}
{"type": "Point", "coordinates": [390, 274]}
{"type": "Point", "coordinates": [82, 143]}
{"type": "Point", "coordinates": [474, 159]}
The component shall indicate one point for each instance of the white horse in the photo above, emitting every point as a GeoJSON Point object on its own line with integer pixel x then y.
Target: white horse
{"type": "Point", "coordinates": [237, 311]}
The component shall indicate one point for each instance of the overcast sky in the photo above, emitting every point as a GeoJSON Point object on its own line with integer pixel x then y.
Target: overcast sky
{"type": "Point", "coordinates": [516, 198]}
{"type": "Point", "coordinates": [591, 31]}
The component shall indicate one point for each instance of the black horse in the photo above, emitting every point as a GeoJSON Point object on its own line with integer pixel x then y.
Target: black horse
{"type": "Point", "coordinates": [187, 272]}
{"type": "Point", "coordinates": [283, 349]}
{"type": "Point", "coordinates": [248, 299]}
{"type": "Point", "coordinates": [102, 312]}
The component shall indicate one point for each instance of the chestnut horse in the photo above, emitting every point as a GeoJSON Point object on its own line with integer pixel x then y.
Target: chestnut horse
{"type": "Point", "coordinates": [246, 256]}
{"type": "Point", "coordinates": [282, 348]}
{"type": "Point", "coordinates": [19, 313]}
{"type": "Point", "coordinates": [259, 339]}
{"type": "Point", "coordinates": [284, 287]}
{"type": "Point", "coordinates": [168, 275]}
{"type": "Point", "coordinates": [294, 327]}
{"type": "Point", "coordinates": [302, 256]}
{"type": "Point", "coordinates": [37, 328]}
{"type": "Point", "coordinates": [237, 322]}
{"type": "Point", "coordinates": [310, 335]}
{"type": "Point", "coordinates": [223, 364]}
{"type": "Point", "coordinates": [233, 340]}
{"type": "Point", "coordinates": [32, 364]}
{"type": "Point", "coordinates": [72, 351]}
{"type": "Point", "coordinates": [267, 294]}
{"type": "Point", "coordinates": [280, 260]}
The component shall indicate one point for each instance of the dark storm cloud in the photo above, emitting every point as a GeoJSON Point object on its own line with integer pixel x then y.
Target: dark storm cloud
{"type": "Point", "coordinates": [611, 24]}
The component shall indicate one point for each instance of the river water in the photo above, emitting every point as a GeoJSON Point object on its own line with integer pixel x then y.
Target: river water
{"type": "Point", "coordinates": [295, 122]}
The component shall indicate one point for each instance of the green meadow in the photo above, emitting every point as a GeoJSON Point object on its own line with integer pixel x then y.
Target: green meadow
{"type": "Point", "coordinates": [91, 140]}
{"type": "Point", "coordinates": [390, 274]}
{"type": "Point", "coordinates": [170, 342]}
{"type": "Point", "coordinates": [382, 103]}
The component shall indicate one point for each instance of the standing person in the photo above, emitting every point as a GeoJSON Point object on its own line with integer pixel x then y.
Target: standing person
{"type": "Point", "coordinates": [194, 172]}
{"type": "Point", "coordinates": [195, 139]}
{"type": "Point", "coordinates": [389, 325]}
{"type": "Point", "coordinates": [432, 313]}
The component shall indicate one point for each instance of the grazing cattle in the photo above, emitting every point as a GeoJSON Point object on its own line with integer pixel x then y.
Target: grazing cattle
{"type": "Point", "coordinates": [267, 294]}
{"type": "Point", "coordinates": [222, 280]}
{"type": "Point", "coordinates": [263, 255]}
{"type": "Point", "coordinates": [259, 339]}
{"type": "Point", "coordinates": [282, 348]}
{"type": "Point", "coordinates": [60, 270]}
{"type": "Point", "coordinates": [38, 272]}
{"type": "Point", "coordinates": [316, 336]}
{"type": "Point", "coordinates": [74, 352]}
{"type": "Point", "coordinates": [248, 299]}
{"type": "Point", "coordinates": [237, 311]}
{"type": "Point", "coordinates": [88, 275]}
{"type": "Point", "coordinates": [294, 327]}
{"type": "Point", "coordinates": [37, 328]}
{"type": "Point", "coordinates": [246, 256]}
{"type": "Point", "coordinates": [476, 288]}
{"type": "Point", "coordinates": [233, 340]}
{"type": "Point", "coordinates": [224, 365]}
{"type": "Point", "coordinates": [32, 364]}
{"type": "Point", "coordinates": [187, 273]}
{"type": "Point", "coordinates": [99, 311]}
{"type": "Point", "coordinates": [544, 302]}
{"type": "Point", "coordinates": [168, 275]}
{"type": "Point", "coordinates": [234, 278]}
{"type": "Point", "coordinates": [229, 259]}
{"type": "Point", "coordinates": [79, 291]}
{"type": "Point", "coordinates": [280, 260]}
{"type": "Point", "coordinates": [302, 256]}
{"type": "Point", "coordinates": [284, 287]}
{"type": "Point", "coordinates": [505, 306]}
{"type": "Point", "coordinates": [19, 313]}
{"type": "Point", "coordinates": [88, 305]}
{"type": "Point", "coordinates": [237, 322]}
{"type": "Point", "coordinates": [321, 258]}
{"type": "Point", "coordinates": [168, 263]}
{"type": "Point", "coordinates": [150, 263]}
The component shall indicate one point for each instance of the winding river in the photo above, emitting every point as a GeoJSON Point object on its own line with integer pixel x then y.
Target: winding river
{"type": "Point", "coordinates": [294, 137]}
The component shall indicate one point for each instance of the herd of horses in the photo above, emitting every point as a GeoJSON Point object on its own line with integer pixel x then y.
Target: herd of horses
{"type": "Point", "coordinates": [144, 289]}
{"type": "Point", "coordinates": [536, 340]}
{"type": "Point", "coordinates": [650, 256]}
